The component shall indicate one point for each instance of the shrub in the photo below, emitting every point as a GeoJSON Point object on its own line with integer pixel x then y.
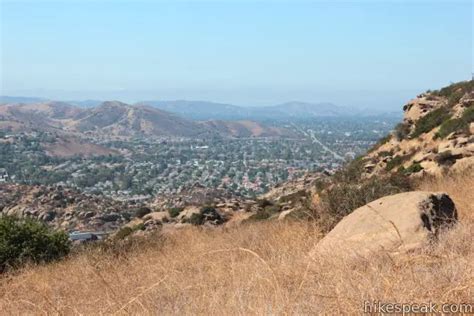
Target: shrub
{"type": "Point", "coordinates": [450, 126]}
{"type": "Point", "coordinates": [124, 232]}
{"type": "Point", "coordinates": [142, 211]}
{"type": "Point", "coordinates": [464, 86]}
{"type": "Point", "coordinates": [457, 124]}
{"type": "Point", "coordinates": [264, 213]}
{"type": "Point", "coordinates": [264, 203]}
{"type": "Point", "coordinates": [206, 213]}
{"type": "Point", "coordinates": [352, 172]}
{"type": "Point", "coordinates": [414, 168]}
{"type": "Point", "coordinates": [430, 121]}
{"type": "Point", "coordinates": [454, 98]}
{"type": "Point", "coordinates": [396, 161]}
{"type": "Point", "coordinates": [402, 130]}
{"type": "Point", "coordinates": [468, 115]}
{"type": "Point", "coordinates": [28, 240]}
{"type": "Point", "coordinates": [344, 197]}
{"type": "Point", "coordinates": [175, 211]}
{"type": "Point", "coordinates": [445, 158]}
{"type": "Point", "coordinates": [385, 154]}
{"type": "Point", "coordinates": [127, 231]}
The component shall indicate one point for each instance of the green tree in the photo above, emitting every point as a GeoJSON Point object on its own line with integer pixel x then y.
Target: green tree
{"type": "Point", "coordinates": [27, 240]}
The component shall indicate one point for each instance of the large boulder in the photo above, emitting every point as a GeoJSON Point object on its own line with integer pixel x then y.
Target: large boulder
{"type": "Point", "coordinates": [393, 224]}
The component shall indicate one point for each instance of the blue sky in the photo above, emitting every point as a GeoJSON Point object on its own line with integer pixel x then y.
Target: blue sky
{"type": "Point", "coordinates": [356, 53]}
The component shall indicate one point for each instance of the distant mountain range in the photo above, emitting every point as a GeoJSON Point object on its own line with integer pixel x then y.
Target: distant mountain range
{"type": "Point", "coordinates": [203, 110]}
{"type": "Point", "coordinates": [117, 119]}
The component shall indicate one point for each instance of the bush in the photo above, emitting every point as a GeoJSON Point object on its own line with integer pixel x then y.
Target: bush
{"type": "Point", "coordinates": [430, 121]}
{"type": "Point", "coordinates": [27, 240]}
{"type": "Point", "coordinates": [468, 115]}
{"type": "Point", "coordinates": [344, 197]}
{"type": "Point", "coordinates": [414, 168]}
{"type": "Point", "coordinates": [264, 213]}
{"type": "Point", "coordinates": [124, 232]}
{"type": "Point", "coordinates": [142, 211]}
{"type": "Point", "coordinates": [457, 124]}
{"type": "Point", "coordinates": [445, 158]}
{"type": "Point", "coordinates": [385, 154]}
{"type": "Point", "coordinates": [264, 203]}
{"type": "Point", "coordinates": [402, 130]}
{"type": "Point", "coordinates": [175, 211]}
{"type": "Point", "coordinates": [206, 213]}
{"type": "Point", "coordinates": [450, 126]}
{"type": "Point", "coordinates": [464, 86]}
{"type": "Point", "coordinates": [396, 161]}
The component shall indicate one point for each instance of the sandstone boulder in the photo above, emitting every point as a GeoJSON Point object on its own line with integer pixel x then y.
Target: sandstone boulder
{"type": "Point", "coordinates": [162, 217]}
{"type": "Point", "coordinates": [393, 224]}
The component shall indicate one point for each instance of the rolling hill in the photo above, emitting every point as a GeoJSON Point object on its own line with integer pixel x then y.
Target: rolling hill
{"type": "Point", "coordinates": [117, 119]}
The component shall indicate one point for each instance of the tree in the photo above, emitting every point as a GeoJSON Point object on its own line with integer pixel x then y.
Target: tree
{"type": "Point", "coordinates": [27, 240]}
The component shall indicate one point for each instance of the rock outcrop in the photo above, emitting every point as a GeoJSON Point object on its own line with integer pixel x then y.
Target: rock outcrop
{"type": "Point", "coordinates": [64, 208]}
{"type": "Point", "coordinates": [436, 134]}
{"type": "Point", "coordinates": [392, 224]}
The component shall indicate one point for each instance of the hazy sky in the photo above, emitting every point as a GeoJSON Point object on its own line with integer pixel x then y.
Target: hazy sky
{"type": "Point", "coordinates": [356, 53]}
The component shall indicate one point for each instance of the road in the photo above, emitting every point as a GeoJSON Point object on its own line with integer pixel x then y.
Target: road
{"type": "Point", "coordinates": [316, 140]}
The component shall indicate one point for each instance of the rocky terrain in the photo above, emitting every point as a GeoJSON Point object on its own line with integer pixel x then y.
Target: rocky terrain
{"type": "Point", "coordinates": [436, 135]}
{"type": "Point", "coordinates": [65, 208]}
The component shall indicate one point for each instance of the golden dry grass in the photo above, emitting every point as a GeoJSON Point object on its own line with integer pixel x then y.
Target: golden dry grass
{"type": "Point", "coordinates": [260, 268]}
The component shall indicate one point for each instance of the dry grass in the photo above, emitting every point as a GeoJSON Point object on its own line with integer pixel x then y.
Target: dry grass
{"type": "Point", "coordinates": [259, 268]}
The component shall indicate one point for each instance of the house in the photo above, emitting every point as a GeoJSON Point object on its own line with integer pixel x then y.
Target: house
{"type": "Point", "coordinates": [3, 175]}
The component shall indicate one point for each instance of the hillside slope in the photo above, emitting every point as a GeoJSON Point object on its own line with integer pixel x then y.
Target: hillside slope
{"type": "Point", "coordinates": [436, 135]}
{"type": "Point", "coordinates": [117, 119]}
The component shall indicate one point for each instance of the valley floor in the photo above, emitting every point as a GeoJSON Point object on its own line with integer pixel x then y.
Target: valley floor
{"type": "Point", "coordinates": [258, 268]}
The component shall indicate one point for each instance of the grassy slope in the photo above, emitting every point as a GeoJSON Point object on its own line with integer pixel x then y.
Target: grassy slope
{"type": "Point", "coordinates": [252, 269]}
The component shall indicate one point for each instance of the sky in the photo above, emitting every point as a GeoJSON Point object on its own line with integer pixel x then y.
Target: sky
{"type": "Point", "coordinates": [375, 54]}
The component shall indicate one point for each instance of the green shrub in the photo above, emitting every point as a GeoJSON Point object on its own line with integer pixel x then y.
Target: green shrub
{"type": "Point", "coordinates": [124, 232]}
{"type": "Point", "coordinates": [28, 240]}
{"type": "Point", "coordinates": [454, 98]}
{"type": "Point", "coordinates": [450, 126]}
{"type": "Point", "coordinates": [414, 168]}
{"type": "Point", "coordinates": [142, 211]}
{"type": "Point", "coordinates": [457, 124]}
{"type": "Point", "coordinates": [385, 154]}
{"type": "Point", "coordinates": [264, 213]}
{"type": "Point", "coordinates": [468, 114]}
{"type": "Point", "coordinates": [127, 231]}
{"type": "Point", "coordinates": [396, 161]}
{"type": "Point", "coordinates": [196, 219]}
{"type": "Point", "coordinates": [206, 213]}
{"type": "Point", "coordinates": [430, 121]}
{"type": "Point", "coordinates": [175, 211]}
